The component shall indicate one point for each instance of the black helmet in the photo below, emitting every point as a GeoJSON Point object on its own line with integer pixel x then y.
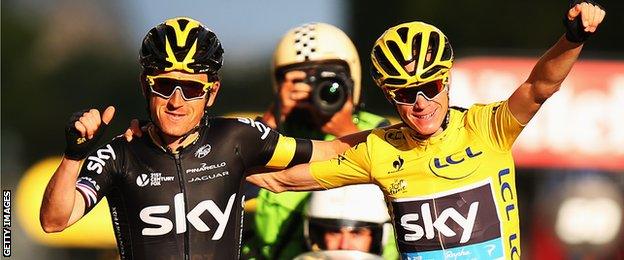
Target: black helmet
{"type": "Point", "coordinates": [181, 43]}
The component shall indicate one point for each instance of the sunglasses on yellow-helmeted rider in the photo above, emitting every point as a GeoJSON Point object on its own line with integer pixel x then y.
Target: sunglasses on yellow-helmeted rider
{"type": "Point", "coordinates": [408, 95]}
{"type": "Point", "coordinates": [165, 86]}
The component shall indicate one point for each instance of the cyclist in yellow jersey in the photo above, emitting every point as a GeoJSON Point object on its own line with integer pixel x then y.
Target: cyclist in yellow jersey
{"type": "Point", "coordinates": [447, 173]}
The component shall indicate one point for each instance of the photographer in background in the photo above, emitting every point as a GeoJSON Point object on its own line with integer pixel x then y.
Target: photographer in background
{"type": "Point", "coordinates": [316, 78]}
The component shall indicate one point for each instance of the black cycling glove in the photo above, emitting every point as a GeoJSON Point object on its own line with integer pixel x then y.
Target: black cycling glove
{"type": "Point", "coordinates": [574, 29]}
{"type": "Point", "coordinates": [79, 147]}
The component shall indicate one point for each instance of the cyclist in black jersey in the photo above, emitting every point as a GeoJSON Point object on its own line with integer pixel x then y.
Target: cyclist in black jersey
{"type": "Point", "coordinates": [175, 192]}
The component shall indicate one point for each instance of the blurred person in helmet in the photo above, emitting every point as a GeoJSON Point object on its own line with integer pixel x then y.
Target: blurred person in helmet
{"type": "Point", "coordinates": [317, 85]}
{"type": "Point", "coordinates": [447, 172]}
{"type": "Point", "coordinates": [347, 218]}
{"type": "Point", "coordinates": [174, 192]}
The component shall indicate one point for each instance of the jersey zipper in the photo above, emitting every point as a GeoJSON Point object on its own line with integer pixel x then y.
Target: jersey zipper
{"type": "Point", "coordinates": [181, 178]}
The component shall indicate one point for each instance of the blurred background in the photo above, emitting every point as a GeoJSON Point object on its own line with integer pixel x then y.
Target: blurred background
{"type": "Point", "coordinates": [60, 56]}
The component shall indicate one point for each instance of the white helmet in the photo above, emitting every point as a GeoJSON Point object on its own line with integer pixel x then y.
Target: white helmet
{"type": "Point", "coordinates": [318, 42]}
{"type": "Point", "coordinates": [350, 206]}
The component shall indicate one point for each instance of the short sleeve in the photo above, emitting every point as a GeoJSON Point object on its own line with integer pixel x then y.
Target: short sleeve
{"type": "Point", "coordinates": [97, 174]}
{"type": "Point", "coordinates": [261, 146]}
{"type": "Point", "coordinates": [352, 167]}
{"type": "Point", "coordinates": [495, 124]}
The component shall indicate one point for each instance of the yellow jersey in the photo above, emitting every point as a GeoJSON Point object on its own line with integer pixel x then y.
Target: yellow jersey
{"type": "Point", "coordinates": [450, 196]}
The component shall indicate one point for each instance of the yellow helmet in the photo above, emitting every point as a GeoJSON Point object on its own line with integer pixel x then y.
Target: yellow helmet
{"type": "Point", "coordinates": [318, 42]}
{"type": "Point", "coordinates": [410, 54]}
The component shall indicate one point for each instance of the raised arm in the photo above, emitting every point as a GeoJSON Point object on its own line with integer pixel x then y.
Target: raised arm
{"type": "Point", "coordinates": [62, 204]}
{"type": "Point", "coordinates": [553, 67]}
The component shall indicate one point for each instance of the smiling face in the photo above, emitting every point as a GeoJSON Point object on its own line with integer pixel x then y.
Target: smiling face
{"type": "Point", "coordinates": [425, 116]}
{"type": "Point", "coordinates": [176, 116]}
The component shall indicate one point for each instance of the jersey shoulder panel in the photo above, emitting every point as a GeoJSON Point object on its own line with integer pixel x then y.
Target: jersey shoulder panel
{"type": "Point", "coordinates": [494, 123]}
{"type": "Point", "coordinates": [100, 170]}
{"type": "Point", "coordinates": [242, 132]}
{"type": "Point", "coordinates": [259, 145]}
{"type": "Point", "coordinates": [108, 157]}
{"type": "Point", "coordinates": [241, 125]}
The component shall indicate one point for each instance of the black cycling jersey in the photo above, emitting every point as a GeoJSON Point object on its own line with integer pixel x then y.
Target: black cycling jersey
{"type": "Point", "coordinates": [187, 205]}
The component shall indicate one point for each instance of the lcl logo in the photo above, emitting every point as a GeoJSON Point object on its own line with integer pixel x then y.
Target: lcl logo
{"type": "Point", "coordinates": [440, 166]}
{"type": "Point", "coordinates": [449, 160]}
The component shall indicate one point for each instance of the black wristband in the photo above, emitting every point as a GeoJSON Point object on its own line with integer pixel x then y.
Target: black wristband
{"type": "Point", "coordinates": [574, 29]}
{"type": "Point", "coordinates": [79, 147]}
{"type": "Point", "coordinates": [303, 152]}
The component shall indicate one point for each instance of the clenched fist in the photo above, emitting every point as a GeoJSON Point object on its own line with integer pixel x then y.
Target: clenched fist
{"type": "Point", "coordinates": [582, 20]}
{"type": "Point", "coordinates": [83, 131]}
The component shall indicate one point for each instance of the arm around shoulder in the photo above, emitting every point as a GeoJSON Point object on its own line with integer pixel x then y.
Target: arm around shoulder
{"type": "Point", "coordinates": [297, 178]}
{"type": "Point", "coordinates": [324, 150]}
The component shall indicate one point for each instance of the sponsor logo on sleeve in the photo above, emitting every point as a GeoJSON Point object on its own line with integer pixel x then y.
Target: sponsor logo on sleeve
{"type": "Point", "coordinates": [340, 159]}
{"type": "Point", "coordinates": [89, 190]}
{"type": "Point", "coordinates": [96, 163]}
{"type": "Point", "coordinates": [263, 129]}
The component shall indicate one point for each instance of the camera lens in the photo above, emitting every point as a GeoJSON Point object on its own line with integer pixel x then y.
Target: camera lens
{"type": "Point", "coordinates": [330, 93]}
{"type": "Point", "coordinates": [329, 96]}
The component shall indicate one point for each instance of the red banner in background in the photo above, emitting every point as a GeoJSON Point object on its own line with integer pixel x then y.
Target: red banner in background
{"type": "Point", "coordinates": [581, 126]}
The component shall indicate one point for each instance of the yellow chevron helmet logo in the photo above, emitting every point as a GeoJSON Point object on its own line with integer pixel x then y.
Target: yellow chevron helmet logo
{"type": "Point", "coordinates": [180, 39]}
{"type": "Point", "coordinates": [182, 44]}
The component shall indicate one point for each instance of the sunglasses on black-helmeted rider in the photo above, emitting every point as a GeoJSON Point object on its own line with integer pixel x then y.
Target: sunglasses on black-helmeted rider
{"type": "Point", "coordinates": [408, 95]}
{"type": "Point", "coordinates": [164, 86]}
